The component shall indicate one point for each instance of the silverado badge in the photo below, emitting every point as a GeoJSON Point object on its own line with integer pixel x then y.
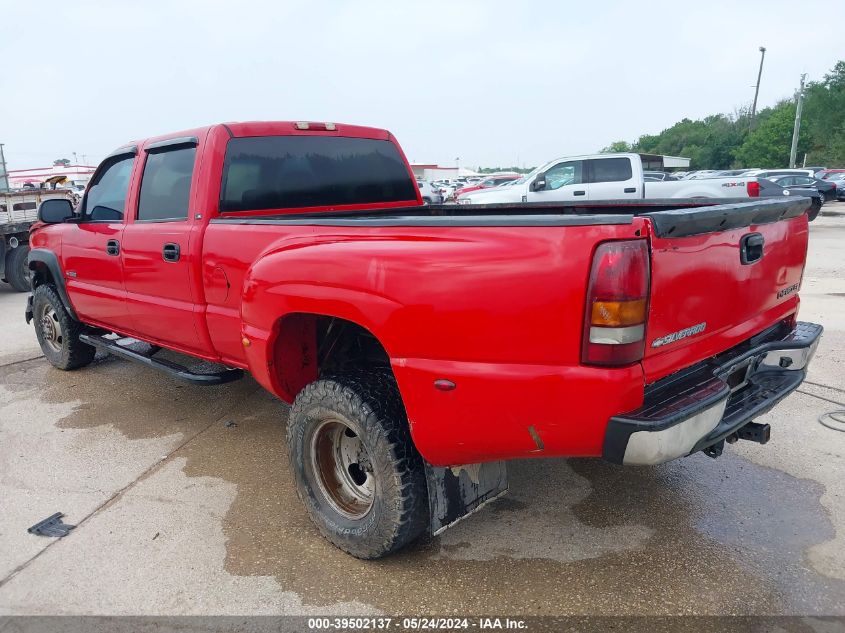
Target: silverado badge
{"type": "Point", "coordinates": [680, 334]}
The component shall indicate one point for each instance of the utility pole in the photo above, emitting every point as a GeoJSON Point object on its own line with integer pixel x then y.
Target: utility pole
{"type": "Point", "coordinates": [757, 87]}
{"type": "Point", "coordinates": [797, 127]}
{"type": "Point", "coordinates": [4, 174]}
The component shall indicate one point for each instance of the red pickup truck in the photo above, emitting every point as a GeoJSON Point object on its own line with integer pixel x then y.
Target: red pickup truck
{"type": "Point", "coordinates": [422, 346]}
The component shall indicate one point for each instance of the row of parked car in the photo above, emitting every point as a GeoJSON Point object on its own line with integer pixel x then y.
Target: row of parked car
{"type": "Point", "coordinates": [600, 176]}
{"type": "Point", "coordinates": [439, 191]}
{"type": "Point", "coordinates": [830, 183]}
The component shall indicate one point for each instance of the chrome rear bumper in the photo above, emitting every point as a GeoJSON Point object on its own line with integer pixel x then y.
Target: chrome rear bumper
{"type": "Point", "coordinates": [704, 404]}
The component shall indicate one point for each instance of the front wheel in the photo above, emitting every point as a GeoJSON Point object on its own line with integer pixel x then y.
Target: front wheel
{"type": "Point", "coordinates": [58, 332]}
{"type": "Point", "coordinates": [356, 469]}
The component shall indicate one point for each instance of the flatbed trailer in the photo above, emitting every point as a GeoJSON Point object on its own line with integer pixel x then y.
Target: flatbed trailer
{"type": "Point", "coordinates": [18, 212]}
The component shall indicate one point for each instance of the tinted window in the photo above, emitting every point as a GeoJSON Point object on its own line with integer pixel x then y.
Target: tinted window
{"type": "Point", "coordinates": [568, 173]}
{"type": "Point", "coordinates": [278, 172]}
{"type": "Point", "coordinates": [107, 194]}
{"type": "Point", "coordinates": [166, 184]}
{"type": "Point", "coordinates": [24, 206]}
{"type": "Point", "coordinates": [610, 169]}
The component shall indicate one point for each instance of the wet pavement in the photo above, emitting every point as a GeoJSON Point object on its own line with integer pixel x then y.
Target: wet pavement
{"type": "Point", "coordinates": [179, 512]}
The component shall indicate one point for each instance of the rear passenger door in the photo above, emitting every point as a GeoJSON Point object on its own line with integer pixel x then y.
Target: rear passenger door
{"type": "Point", "coordinates": [564, 181]}
{"type": "Point", "coordinates": [612, 178]}
{"type": "Point", "coordinates": [157, 257]}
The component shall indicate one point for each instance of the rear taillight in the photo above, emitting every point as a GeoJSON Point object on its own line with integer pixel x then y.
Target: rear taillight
{"type": "Point", "coordinates": [617, 304]}
{"type": "Point", "coordinates": [753, 189]}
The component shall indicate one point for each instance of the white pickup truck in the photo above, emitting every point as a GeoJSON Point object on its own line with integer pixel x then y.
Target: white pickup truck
{"type": "Point", "coordinates": [607, 177]}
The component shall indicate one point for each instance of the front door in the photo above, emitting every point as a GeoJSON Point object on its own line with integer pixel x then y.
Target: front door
{"type": "Point", "coordinates": [157, 255]}
{"type": "Point", "coordinates": [91, 251]}
{"type": "Point", "coordinates": [565, 182]}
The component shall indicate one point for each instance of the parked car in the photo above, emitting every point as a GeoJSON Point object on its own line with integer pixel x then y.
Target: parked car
{"type": "Point", "coordinates": [825, 187]}
{"type": "Point", "coordinates": [701, 173]}
{"type": "Point", "coordinates": [429, 193]}
{"type": "Point", "coordinates": [769, 189]}
{"type": "Point", "coordinates": [657, 176]}
{"type": "Point", "coordinates": [727, 172]}
{"type": "Point", "coordinates": [766, 173]}
{"type": "Point", "coordinates": [447, 191]}
{"type": "Point", "coordinates": [838, 179]}
{"type": "Point", "coordinates": [421, 348]}
{"type": "Point", "coordinates": [827, 173]}
{"type": "Point", "coordinates": [606, 177]}
{"type": "Point", "coordinates": [488, 183]}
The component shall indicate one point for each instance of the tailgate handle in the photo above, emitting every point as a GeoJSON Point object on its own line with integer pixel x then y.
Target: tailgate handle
{"type": "Point", "coordinates": [751, 248]}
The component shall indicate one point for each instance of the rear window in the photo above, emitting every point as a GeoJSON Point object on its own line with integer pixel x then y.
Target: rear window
{"type": "Point", "coordinates": [610, 169]}
{"type": "Point", "coordinates": [282, 172]}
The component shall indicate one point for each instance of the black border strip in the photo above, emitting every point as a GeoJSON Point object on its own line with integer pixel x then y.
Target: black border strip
{"type": "Point", "coordinates": [170, 142]}
{"type": "Point", "coordinates": [457, 221]}
{"type": "Point", "coordinates": [724, 217]}
{"type": "Point", "coordinates": [126, 150]}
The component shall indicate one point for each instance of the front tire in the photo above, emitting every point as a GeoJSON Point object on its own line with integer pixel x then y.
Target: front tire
{"type": "Point", "coordinates": [57, 332]}
{"type": "Point", "coordinates": [356, 469]}
{"type": "Point", "coordinates": [17, 268]}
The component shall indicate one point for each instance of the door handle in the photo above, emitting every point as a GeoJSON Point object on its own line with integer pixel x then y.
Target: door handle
{"type": "Point", "coordinates": [170, 252]}
{"type": "Point", "coordinates": [579, 193]}
{"type": "Point", "coordinates": [630, 190]}
{"type": "Point", "coordinates": [113, 247]}
{"type": "Point", "coordinates": [751, 248]}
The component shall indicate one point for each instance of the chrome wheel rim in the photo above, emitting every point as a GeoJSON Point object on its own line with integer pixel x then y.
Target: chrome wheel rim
{"type": "Point", "coordinates": [343, 468]}
{"type": "Point", "coordinates": [51, 329]}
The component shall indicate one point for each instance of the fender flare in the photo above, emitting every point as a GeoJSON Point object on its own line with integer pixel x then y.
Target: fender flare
{"type": "Point", "coordinates": [48, 258]}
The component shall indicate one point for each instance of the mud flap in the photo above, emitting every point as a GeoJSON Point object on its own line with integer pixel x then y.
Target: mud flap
{"type": "Point", "coordinates": [457, 492]}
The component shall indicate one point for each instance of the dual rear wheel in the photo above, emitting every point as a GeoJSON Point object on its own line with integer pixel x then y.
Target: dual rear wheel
{"type": "Point", "coordinates": [355, 467]}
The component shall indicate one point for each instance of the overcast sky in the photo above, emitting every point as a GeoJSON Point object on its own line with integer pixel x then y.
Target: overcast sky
{"type": "Point", "coordinates": [489, 82]}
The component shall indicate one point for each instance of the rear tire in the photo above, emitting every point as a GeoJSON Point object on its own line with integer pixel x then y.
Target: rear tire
{"type": "Point", "coordinates": [57, 332]}
{"type": "Point", "coordinates": [17, 268]}
{"type": "Point", "coordinates": [356, 469]}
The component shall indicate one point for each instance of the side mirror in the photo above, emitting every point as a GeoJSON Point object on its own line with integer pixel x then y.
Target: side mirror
{"type": "Point", "coordinates": [55, 211]}
{"type": "Point", "coordinates": [539, 183]}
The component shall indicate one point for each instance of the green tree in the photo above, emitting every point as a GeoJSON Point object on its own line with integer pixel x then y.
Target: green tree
{"type": "Point", "coordinates": [617, 147]}
{"type": "Point", "coordinates": [769, 143]}
{"type": "Point", "coordinates": [721, 141]}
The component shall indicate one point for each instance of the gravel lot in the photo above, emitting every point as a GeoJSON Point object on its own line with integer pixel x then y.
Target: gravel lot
{"type": "Point", "coordinates": [179, 513]}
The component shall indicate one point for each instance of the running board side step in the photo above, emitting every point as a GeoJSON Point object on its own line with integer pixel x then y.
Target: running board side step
{"type": "Point", "coordinates": [114, 346]}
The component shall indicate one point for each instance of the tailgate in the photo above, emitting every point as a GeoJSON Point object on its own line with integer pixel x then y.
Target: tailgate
{"type": "Point", "coordinates": [720, 275]}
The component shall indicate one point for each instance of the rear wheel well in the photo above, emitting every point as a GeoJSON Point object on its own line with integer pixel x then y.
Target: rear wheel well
{"type": "Point", "coordinates": [309, 346]}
